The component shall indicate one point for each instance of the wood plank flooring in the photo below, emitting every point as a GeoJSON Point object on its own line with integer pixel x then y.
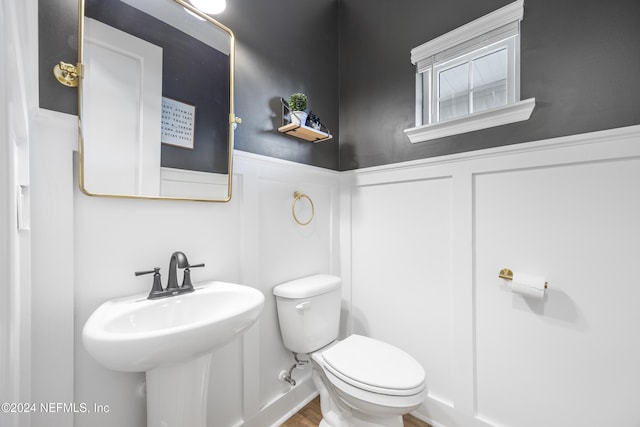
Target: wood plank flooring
{"type": "Point", "coordinates": [310, 416]}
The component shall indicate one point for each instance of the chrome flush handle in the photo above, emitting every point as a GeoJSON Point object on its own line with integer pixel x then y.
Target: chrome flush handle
{"type": "Point", "coordinates": [304, 306]}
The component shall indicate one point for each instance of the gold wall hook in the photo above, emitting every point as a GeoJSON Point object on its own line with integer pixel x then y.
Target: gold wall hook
{"type": "Point", "coordinates": [68, 74]}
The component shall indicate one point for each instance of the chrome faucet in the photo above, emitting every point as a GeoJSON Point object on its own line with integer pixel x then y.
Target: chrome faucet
{"type": "Point", "coordinates": [177, 260]}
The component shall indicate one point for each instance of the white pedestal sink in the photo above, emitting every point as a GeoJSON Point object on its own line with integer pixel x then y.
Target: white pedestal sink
{"type": "Point", "coordinates": [171, 339]}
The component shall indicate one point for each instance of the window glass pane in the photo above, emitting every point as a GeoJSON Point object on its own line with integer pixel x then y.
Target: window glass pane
{"type": "Point", "coordinates": [453, 92]}
{"type": "Point", "coordinates": [489, 80]}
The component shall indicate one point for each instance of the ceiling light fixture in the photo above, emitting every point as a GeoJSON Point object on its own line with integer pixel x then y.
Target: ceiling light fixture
{"type": "Point", "coordinates": [210, 7]}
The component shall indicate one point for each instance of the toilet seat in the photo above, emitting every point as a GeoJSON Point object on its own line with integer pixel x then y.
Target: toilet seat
{"type": "Point", "coordinates": [357, 360]}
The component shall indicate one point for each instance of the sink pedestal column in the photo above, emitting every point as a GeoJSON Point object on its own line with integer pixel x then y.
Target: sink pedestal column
{"type": "Point", "coordinates": [177, 394]}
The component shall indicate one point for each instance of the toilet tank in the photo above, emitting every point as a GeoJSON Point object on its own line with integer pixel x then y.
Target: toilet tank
{"type": "Point", "coordinates": [309, 312]}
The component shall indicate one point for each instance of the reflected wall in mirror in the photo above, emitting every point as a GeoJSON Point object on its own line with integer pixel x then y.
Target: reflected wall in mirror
{"type": "Point", "coordinates": [156, 101]}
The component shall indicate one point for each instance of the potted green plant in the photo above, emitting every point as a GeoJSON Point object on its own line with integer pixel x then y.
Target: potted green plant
{"type": "Point", "coordinates": [298, 107]}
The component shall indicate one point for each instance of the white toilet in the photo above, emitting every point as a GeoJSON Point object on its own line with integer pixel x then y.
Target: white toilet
{"type": "Point", "coordinates": [362, 382]}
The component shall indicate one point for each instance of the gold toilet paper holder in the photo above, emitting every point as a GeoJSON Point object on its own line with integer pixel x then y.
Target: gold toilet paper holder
{"type": "Point", "coordinates": [507, 274]}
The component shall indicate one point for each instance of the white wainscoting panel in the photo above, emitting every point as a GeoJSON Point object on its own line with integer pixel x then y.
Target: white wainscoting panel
{"type": "Point", "coordinates": [252, 240]}
{"type": "Point", "coordinates": [113, 238]}
{"type": "Point", "coordinates": [288, 251]}
{"type": "Point", "coordinates": [401, 252]}
{"type": "Point", "coordinates": [423, 243]}
{"type": "Point", "coordinates": [572, 358]}
{"type": "Point", "coordinates": [277, 249]}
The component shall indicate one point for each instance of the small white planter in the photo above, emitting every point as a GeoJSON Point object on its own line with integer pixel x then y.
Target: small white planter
{"type": "Point", "coordinates": [299, 117]}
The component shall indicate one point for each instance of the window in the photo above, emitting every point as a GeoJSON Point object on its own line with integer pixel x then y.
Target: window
{"type": "Point", "coordinates": [469, 78]}
{"type": "Point", "coordinates": [473, 83]}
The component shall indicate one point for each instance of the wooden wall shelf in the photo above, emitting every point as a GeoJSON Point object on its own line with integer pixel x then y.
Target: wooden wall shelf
{"type": "Point", "coordinates": [305, 132]}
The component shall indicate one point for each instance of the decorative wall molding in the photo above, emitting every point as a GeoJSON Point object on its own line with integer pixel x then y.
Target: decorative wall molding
{"type": "Point", "coordinates": [496, 19]}
{"type": "Point", "coordinates": [276, 249]}
{"type": "Point", "coordinates": [273, 161]}
{"type": "Point", "coordinates": [512, 113]}
{"type": "Point", "coordinates": [617, 134]}
{"type": "Point", "coordinates": [475, 180]}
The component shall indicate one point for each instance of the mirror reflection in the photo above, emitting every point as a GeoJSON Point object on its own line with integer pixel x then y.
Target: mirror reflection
{"type": "Point", "coordinates": [156, 101]}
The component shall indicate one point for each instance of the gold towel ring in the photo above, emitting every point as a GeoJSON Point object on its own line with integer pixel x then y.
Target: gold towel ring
{"type": "Point", "coordinates": [297, 196]}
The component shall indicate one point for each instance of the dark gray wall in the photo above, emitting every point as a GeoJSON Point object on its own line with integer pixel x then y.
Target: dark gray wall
{"type": "Point", "coordinates": [57, 41]}
{"type": "Point", "coordinates": [282, 47]}
{"type": "Point", "coordinates": [579, 59]}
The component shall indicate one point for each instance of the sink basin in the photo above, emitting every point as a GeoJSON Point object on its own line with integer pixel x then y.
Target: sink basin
{"type": "Point", "coordinates": [134, 334]}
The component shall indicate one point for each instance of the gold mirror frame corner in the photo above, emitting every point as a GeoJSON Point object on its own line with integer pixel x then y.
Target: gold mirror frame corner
{"type": "Point", "coordinates": [233, 119]}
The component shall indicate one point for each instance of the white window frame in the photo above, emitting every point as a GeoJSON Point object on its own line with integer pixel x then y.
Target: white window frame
{"type": "Point", "coordinates": [474, 39]}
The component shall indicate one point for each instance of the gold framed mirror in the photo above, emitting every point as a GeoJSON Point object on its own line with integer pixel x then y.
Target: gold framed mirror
{"type": "Point", "coordinates": [155, 97]}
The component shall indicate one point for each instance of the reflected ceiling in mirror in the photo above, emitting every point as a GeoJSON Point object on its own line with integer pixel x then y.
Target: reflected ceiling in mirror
{"type": "Point", "coordinates": [156, 101]}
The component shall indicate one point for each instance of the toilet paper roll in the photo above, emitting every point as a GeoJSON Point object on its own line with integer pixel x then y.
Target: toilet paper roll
{"type": "Point", "coordinates": [528, 285]}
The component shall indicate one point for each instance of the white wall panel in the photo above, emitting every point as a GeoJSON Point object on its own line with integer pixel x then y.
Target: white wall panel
{"type": "Point", "coordinates": [116, 237]}
{"type": "Point", "coordinates": [252, 240]}
{"type": "Point", "coordinates": [546, 362]}
{"type": "Point", "coordinates": [401, 272]}
{"type": "Point", "coordinates": [52, 246]}
{"type": "Point", "coordinates": [288, 251]}
{"type": "Point", "coordinates": [565, 208]}
{"type": "Point", "coordinates": [16, 24]}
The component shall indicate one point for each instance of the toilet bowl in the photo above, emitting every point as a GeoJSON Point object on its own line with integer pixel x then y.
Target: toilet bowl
{"type": "Point", "coordinates": [362, 382]}
{"type": "Point", "coordinates": [374, 381]}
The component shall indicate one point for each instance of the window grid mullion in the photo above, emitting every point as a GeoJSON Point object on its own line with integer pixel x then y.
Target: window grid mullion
{"type": "Point", "coordinates": [435, 95]}
{"type": "Point", "coordinates": [470, 85]}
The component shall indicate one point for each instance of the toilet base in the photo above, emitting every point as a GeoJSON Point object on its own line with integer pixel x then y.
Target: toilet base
{"type": "Point", "coordinates": [336, 413]}
{"type": "Point", "coordinates": [379, 422]}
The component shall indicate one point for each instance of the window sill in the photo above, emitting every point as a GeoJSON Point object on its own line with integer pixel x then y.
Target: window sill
{"type": "Point", "coordinates": [516, 112]}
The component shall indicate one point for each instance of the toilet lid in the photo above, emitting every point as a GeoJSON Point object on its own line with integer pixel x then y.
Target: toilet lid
{"type": "Point", "coordinates": [375, 366]}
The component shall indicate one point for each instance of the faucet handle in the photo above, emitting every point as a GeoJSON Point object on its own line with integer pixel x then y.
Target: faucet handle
{"type": "Point", "coordinates": [156, 288]}
{"type": "Point", "coordinates": [155, 270]}
{"type": "Point", "coordinates": [187, 286]}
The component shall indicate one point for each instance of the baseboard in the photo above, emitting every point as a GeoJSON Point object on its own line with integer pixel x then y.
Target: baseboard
{"type": "Point", "coordinates": [287, 404]}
